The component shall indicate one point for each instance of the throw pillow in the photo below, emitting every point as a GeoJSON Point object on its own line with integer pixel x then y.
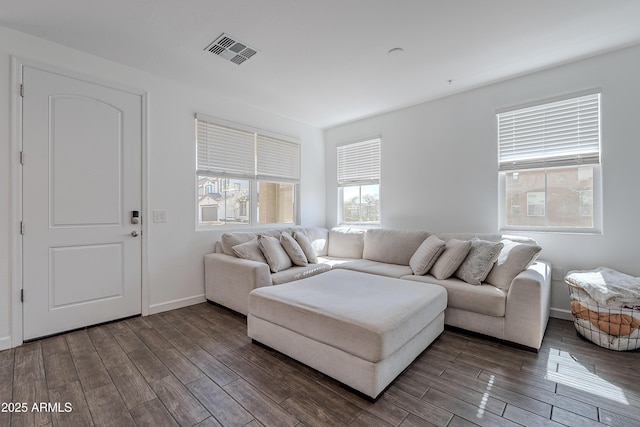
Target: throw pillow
{"type": "Point", "coordinates": [275, 254]}
{"type": "Point", "coordinates": [307, 247]}
{"type": "Point", "coordinates": [249, 250]}
{"type": "Point", "coordinates": [293, 249]}
{"type": "Point", "coordinates": [455, 251]}
{"type": "Point", "coordinates": [476, 266]}
{"type": "Point", "coordinates": [514, 259]}
{"type": "Point", "coordinates": [426, 255]}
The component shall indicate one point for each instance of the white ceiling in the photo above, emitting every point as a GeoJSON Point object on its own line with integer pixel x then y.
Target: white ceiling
{"type": "Point", "coordinates": [325, 62]}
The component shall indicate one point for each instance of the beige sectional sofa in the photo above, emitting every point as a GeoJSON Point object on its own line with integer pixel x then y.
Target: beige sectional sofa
{"type": "Point", "coordinates": [515, 307]}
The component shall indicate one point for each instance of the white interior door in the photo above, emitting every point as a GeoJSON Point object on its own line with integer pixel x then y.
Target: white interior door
{"type": "Point", "coordinates": [81, 181]}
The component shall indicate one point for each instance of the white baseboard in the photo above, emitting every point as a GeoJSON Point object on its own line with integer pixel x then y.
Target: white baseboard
{"type": "Point", "coordinates": [5, 343]}
{"type": "Point", "coordinates": [561, 313]}
{"type": "Point", "coordinates": [178, 303]}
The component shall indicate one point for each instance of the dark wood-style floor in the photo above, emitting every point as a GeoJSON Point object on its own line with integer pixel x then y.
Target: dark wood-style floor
{"type": "Point", "coordinates": [196, 366]}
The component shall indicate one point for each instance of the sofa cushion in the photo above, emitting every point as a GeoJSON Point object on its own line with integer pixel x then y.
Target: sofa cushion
{"type": "Point", "coordinates": [319, 238]}
{"type": "Point", "coordinates": [229, 240]}
{"type": "Point", "coordinates": [346, 243]}
{"type": "Point", "coordinates": [476, 266]}
{"type": "Point", "coordinates": [392, 246]}
{"type": "Point", "coordinates": [487, 300]}
{"type": "Point", "coordinates": [492, 237]}
{"type": "Point", "coordinates": [375, 267]}
{"type": "Point", "coordinates": [293, 249]}
{"type": "Point", "coordinates": [306, 246]}
{"type": "Point", "coordinates": [297, 273]}
{"type": "Point", "coordinates": [275, 254]}
{"type": "Point", "coordinates": [513, 259]}
{"type": "Point", "coordinates": [249, 250]}
{"type": "Point", "coordinates": [455, 251]}
{"type": "Point", "coordinates": [426, 255]}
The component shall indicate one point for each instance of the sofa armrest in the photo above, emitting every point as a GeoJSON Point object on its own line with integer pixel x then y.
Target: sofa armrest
{"type": "Point", "coordinates": [528, 302]}
{"type": "Point", "coordinates": [229, 280]}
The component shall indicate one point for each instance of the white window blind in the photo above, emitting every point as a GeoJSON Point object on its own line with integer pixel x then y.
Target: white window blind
{"type": "Point", "coordinates": [561, 133]}
{"type": "Point", "coordinates": [277, 158]}
{"type": "Point", "coordinates": [223, 151]}
{"type": "Point", "coordinates": [359, 163]}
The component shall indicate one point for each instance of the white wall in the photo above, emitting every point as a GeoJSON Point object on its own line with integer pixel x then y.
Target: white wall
{"type": "Point", "coordinates": [175, 272]}
{"type": "Point", "coordinates": [439, 162]}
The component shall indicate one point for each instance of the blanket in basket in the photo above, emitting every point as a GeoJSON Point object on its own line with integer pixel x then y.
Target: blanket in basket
{"type": "Point", "coordinates": [607, 287]}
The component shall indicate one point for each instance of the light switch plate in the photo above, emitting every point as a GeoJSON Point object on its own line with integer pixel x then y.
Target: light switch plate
{"type": "Point", "coordinates": [160, 216]}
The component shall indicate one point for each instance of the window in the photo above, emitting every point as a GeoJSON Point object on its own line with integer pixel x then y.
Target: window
{"type": "Point", "coordinates": [549, 162]}
{"type": "Point", "coordinates": [245, 177]}
{"type": "Point", "coordinates": [275, 203]}
{"type": "Point", "coordinates": [359, 182]}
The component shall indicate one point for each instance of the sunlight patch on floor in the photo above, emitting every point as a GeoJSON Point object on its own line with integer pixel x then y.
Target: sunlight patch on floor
{"type": "Point", "coordinates": [583, 379]}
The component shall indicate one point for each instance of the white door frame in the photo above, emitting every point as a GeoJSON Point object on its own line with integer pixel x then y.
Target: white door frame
{"type": "Point", "coordinates": [16, 260]}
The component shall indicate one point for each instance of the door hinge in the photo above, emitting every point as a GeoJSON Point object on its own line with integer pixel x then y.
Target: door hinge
{"type": "Point", "coordinates": [21, 227]}
{"type": "Point", "coordinates": [22, 90]}
{"type": "Point", "coordinates": [22, 157]}
{"type": "Point", "coordinates": [21, 295]}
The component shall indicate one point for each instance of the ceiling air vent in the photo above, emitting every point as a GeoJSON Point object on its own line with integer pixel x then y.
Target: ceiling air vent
{"type": "Point", "coordinates": [230, 49]}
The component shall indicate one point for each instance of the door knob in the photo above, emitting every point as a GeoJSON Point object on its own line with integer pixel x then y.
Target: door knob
{"type": "Point", "coordinates": [134, 233]}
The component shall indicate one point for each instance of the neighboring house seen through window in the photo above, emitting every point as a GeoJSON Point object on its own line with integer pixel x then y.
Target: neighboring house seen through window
{"type": "Point", "coordinates": [359, 182]}
{"type": "Point", "coordinates": [245, 177]}
{"type": "Point", "coordinates": [549, 161]}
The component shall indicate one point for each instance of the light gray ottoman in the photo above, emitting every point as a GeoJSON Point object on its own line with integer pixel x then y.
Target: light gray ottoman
{"type": "Point", "coordinates": [358, 328]}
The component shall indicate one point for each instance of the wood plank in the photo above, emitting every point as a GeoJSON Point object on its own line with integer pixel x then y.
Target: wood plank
{"type": "Point", "coordinates": [219, 404]}
{"type": "Point", "coordinates": [465, 410]}
{"type": "Point", "coordinates": [341, 409]}
{"type": "Point", "coordinates": [60, 369]}
{"type": "Point", "coordinates": [179, 402]}
{"type": "Point", "coordinates": [457, 421]}
{"type": "Point", "coordinates": [107, 407]}
{"type": "Point", "coordinates": [615, 402]}
{"type": "Point", "coordinates": [508, 396]}
{"type": "Point", "coordinates": [57, 344]}
{"type": "Point", "coordinates": [611, 418]}
{"type": "Point", "coordinates": [30, 393]}
{"type": "Point", "coordinates": [131, 385]}
{"type": "Point", "coordinates": [179, 365]}
{"type": "Point", "coordinates": [437, 358]}
{"type": "Point", "coordinates": [72, 394]}
{"type": "Point", "coordinates": [272, 386]}
{"type": "Point", "coordinates": [575, 420]}
{"type": "Point", "coordinates": [6, 389]}
{"type": "Point", "coordinates": [310, 413]}
{"type": "Point", "coordinates": [423, 409]}
{"type": "Point", "coordinates": [212, 367]}
{"type": "Point", "coordinates": [480, 399]}
{"type": "Point", "coordinates": [527, 418]}
{"type": "Point", "coordinates": [28, 364]}
{"type": "Point", "coordinates": [414, 421]}
{"type": "Point", "coordinates": [152, 414]}
{"type": "Point", "coordinates": [153, 340]}
{"type": "Point", "coordinates": [210, 422]}
{"type": "Point", "coordinates": [365, 419]}
{"type": "Point", "coordinates": [263, 409]}
{"type": "Point", "coordinates": [127, 339]}
{"type": "Point", "coordinates": [558, 401]}
{"type": "Point", "coordinates": [137, 323]}
{"type": "Point", "coordinates": [151, 368]}
{"type": "Point", "coordinates": [79, 343]}
{"type": "Point", "coordinates": [91, 371]}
